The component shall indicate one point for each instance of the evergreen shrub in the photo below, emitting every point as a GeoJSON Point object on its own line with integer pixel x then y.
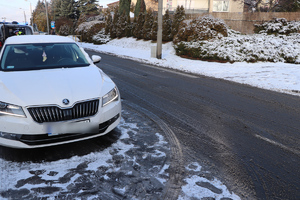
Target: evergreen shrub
{"type": "Point", "coordinates": [201, 28]}
{"type": "Point", "coordinates": [278, 26]}
{"type": "Point", "coordinates": [88, 29]}
{"type": "Point", "coordinates": [138, 31]}
{"type": "Point", "coordinates": [167, 27]}
{"type": "Point", "coordinates": [153, 33]}
{"type": "Point", "coordinates": [121, 26]}
{"type": "Point", "coordinates": [148, 25]}
{"type": "Point", "coordinates": [114, 25]}
{"type": "Point", "coordinates": [64, 26]}
{"type": "Point", "coordinates": [179, 16]}
{"type": "Point", "coordinates": [188, 40]}
{"type": "Point", "coordinates": [101, 37]}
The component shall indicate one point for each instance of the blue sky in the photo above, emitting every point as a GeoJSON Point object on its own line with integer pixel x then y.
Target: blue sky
{"type": "Point", "coordinates": [13, 10]}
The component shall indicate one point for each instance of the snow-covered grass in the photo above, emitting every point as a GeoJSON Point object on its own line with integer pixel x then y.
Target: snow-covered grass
{"type": "Point", "coordinates": [279, 76]}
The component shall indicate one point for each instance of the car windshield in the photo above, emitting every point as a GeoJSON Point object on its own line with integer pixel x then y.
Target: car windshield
{"type": "Point", "coordinates": [42, 56]}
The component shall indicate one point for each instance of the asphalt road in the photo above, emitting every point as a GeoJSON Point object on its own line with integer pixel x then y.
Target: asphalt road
{"type": "Point", "coordinates": [247, 137]}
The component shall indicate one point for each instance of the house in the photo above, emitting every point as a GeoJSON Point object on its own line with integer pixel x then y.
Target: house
{"type": "Point", "coordinates": [197, 6]}
{"type": "Point", "coordinates": [111, 6]}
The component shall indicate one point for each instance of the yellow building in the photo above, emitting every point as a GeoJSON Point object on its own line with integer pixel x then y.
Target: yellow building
{"type": "Point", "coordinates": [198, 6]}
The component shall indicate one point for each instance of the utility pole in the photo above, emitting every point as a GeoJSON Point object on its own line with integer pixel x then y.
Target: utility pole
{"type": "Point", "coordinates": [47, 17]}
{"type": "Point", "coordinates": [159, 30]}
{"type": "Point", "coordinates": [31, 15]}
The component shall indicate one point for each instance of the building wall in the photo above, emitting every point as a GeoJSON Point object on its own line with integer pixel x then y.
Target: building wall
{"type": "Point", "coordinates": [193, 4]}
{"type": "Point", "coordinates": [236, 6]}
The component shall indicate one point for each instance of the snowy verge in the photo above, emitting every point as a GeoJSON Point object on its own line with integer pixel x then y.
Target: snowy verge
{"type": "Point", "coordinates": [280, 77]}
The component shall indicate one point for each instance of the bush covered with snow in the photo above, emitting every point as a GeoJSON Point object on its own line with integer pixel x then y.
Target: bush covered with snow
{"type": "Point", "coordinates": [278, 26]}
{"type": "Point", "coordinates": [101, 37]}
{"type": "Point", "coordinates": [64, 26]}
{"type": "Point", "coordinates": [89, 29]}
{"type": "Point", "coordinates": [240, 48]}
{"type": "Point", "coordinates": [201, 28]}
{"type": "Point", "coordinates": [65, 30]}
{"type": "Point", "coordinates": [210, 39]}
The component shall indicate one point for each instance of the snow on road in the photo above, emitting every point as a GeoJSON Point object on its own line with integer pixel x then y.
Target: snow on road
{"type": "Point", "coordinates": [281, 77]}
{"type": "Point", "coordinates": [135, 166]}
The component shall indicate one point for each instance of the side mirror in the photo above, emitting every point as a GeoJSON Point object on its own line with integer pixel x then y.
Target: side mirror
{"type": "Point", "coordinates": [96, 59]}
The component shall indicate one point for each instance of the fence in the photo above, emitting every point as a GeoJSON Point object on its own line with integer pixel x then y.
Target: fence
{"type": "Point", "coordinates": [244, 22]}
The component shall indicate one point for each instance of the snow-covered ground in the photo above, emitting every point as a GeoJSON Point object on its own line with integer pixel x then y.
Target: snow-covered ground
{"type": "Point", "coordinates": [281, 77]}
{"type": "Point", "coordinates": [134, 166]}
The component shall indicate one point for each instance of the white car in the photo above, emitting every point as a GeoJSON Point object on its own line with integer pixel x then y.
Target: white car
{"type": "Point", "coordinates": [51, 93]}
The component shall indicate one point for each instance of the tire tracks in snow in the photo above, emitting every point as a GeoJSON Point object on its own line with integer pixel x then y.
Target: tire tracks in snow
{"type": "Point", "coordinates": [173, 187]}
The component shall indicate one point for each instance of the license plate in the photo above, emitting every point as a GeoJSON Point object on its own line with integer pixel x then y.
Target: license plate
{"type": "Point", "coordinates": [66, 127]}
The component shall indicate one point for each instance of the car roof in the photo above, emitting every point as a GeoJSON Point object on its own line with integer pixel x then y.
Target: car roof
{"type": "Point", "coordinates": [34, 39]}
{"type": "Point", "coordinates": [14, 25]}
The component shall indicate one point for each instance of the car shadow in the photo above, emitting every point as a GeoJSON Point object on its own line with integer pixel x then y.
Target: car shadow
{"type": "Point", "coordinates": [65, 151]}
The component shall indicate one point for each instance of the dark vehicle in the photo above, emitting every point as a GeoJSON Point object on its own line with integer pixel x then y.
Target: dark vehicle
{"type": "Point", "coordinates": [7, 30]}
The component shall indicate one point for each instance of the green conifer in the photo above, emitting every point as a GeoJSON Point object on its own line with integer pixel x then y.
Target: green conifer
{"type": "Point", "coordinates": [114, 26]}
{"type": "Point", "coordinates": [124, 7]}
{"type": "Point", "coordinates": [139, 7]}
{"type": "Point", "coordinates": [154, 28]}
{"type": "Point", "coordinates": [148, 25]}
{"type": "Point", "coordinates": [129, 27]}
{"type": "Point", "coordinates": [167, 27]}
{"type": "Point", "coordinates": [138, 31]}
{"type": "Point", "coordinates": [179, 16]}
{"type": "Point", "coordinates": [108, 21]}
{"type": "Point", "coordinates": [121, 26]}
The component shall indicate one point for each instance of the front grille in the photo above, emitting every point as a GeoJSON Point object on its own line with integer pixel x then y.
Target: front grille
{"type": "Point", "coordinates": [55, 114]}
{"type": "Point", "coordinates": [46, 139]}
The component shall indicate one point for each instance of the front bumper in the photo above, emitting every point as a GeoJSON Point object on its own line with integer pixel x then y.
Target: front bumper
{"type": "Point", "coordinates": [26, 133]}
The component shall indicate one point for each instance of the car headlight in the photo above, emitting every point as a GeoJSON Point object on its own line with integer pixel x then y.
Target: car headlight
{"type": "Point", "coordinates": [9, 109]}
{"type": "Point", "coordinates": [110, 97]}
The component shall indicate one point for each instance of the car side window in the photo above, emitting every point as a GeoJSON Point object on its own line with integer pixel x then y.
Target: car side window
{"type": "Point", "coordinates": [28, 31]}
{"type": "Point", "coordinates": [7, 57]}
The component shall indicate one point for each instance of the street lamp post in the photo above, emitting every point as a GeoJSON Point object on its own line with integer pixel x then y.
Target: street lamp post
{"type": "Point", "coordinates": [31, 17]}
{"type": "Point", "coordinates": [24, 15]}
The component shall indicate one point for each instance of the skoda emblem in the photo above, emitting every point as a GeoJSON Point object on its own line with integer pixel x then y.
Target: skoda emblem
{"type": "Point", "coordinates": [66, 101]}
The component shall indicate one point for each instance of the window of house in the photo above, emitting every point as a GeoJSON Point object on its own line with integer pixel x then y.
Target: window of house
{"type": "Point", "coordinates": [221, 6]}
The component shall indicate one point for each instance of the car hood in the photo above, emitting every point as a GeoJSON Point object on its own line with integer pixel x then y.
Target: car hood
{"type": "Point", "coordinates": [51, 86]}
